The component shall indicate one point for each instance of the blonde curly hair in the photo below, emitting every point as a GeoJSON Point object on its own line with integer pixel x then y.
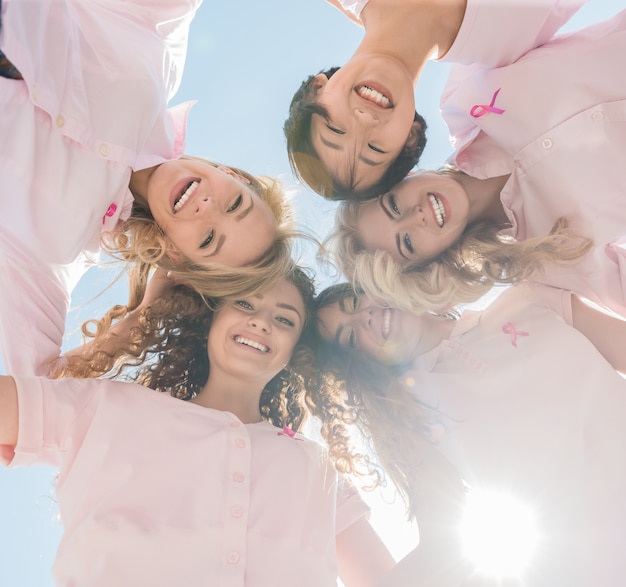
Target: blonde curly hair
{"type": "Point", "coordinates": [482, 257]}
{"type": "Point", "coordinates": [141, 246]}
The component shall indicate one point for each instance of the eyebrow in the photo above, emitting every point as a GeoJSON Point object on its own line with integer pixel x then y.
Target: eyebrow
{"type": "Point", "coordinates": [288, 307]}
{"type": "Point", "coordinates": [387, 212]}
{"type": "Point", "coordinates": [245, 212]}
{"type": "Point", "coordinates": [400, 248]}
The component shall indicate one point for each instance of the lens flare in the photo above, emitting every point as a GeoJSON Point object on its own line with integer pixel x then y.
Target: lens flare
{"type": "Point", "coordinates": [499, 533]}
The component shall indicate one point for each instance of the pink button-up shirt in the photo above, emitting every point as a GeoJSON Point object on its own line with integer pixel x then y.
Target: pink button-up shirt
{"type": "Point", "coordinates": [92, 106]}
{"type": "Point", "coordinates": [522, 403]}
{"type": "Point", "coordinates": [556, 121]}
{"type": "Point", "coordinates": [159, 492]}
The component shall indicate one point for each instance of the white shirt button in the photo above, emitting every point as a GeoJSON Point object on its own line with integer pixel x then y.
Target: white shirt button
{"type": "Point", "coordinates": [236, 511]}
{"type": "Point", "coordinates": [239, 477]}
{"type": "Point", "coordinates": [597, 115]}
{"type": "Point", "coordinates": [546, 143]}
{"type": "Point", "coordinates": [234, 424]}
{"type": "Point", "coordinates": [233, 558]}
{"type": "Point", "coordinates": [60, 120]}
{"type": "Point", "coordinates": [104, 150]}
{"type": "Point", "coordinates": [240, 443]}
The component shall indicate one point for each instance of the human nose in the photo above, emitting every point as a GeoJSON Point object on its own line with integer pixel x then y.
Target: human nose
{"type": "Point", "coordinates": [206, 203]}
{"type": "Point", "coordinates": [366, 117]}
{"type": "Point", "coordinates": [363, 318]}
{"type": "Point", "coordinates": [261, 321]}
{"type": "Point", "coordinates": [416, 216]}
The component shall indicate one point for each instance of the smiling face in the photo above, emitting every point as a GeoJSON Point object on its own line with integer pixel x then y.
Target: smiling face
{"type": "Point", "coordinates": [417, 220]}
{"type": "Point", "coordinates": [389, 335]}
{"type": "Point", "coordinates": [254, 338]}
{"type": "Point", "coordinates": [370, 108]}
{"type": "Point", "coordinates": [209, 214]}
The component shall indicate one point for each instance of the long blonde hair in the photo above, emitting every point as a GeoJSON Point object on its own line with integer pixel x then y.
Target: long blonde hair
{"type": "Point", "coordinates": [142, 246]}
{"type": "Point", "coordinates": [481, 258]}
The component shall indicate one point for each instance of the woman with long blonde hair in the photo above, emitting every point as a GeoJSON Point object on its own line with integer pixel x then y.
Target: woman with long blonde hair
{"type": "Point", "coordinates": [95, 154]}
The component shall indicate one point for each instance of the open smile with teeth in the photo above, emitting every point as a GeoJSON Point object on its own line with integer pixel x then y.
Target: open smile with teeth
{"type": "Point", "coordinates": [373, 95]}
{"type": "Point", "coordinates": [187, 192]}
{"type": "Point", "coordinates": [386, 322]}
{"type": "Point", "coordinates": [251, 343]}
{"type": "Point", "coordinates": [438, 208]}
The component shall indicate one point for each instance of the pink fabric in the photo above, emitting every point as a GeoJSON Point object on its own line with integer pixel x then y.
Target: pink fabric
{"type": "Point", "coordinates": [562, 139]}
{"type": "Point", "coordinates": [161, 492]}
{"type": "Point", "coordinates": [542, 421]}
{"type": "Point", "coordinates": [496, 33]}
{"type": "Point", "coordinates": [91, 107]}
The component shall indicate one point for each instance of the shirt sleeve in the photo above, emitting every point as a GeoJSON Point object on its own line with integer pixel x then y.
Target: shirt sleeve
{"type": "Point", "coordinates": [553, 298]}
{"type": "Point", "coordinates": [54, 416]}
{"type": "Point", "coordinates": [102, 70]}
{"type": "Point", "coordinates": [350, 506]}
{"type": "Point", "coordinates": [494, 34]}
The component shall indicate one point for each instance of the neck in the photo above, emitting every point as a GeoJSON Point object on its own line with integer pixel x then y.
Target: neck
{"type": "Point", "coordinates": [411, 31]}
{"type": "Point", "coordinates": [236, 396]}
{"type": "Point", "coordinates": [139, 184]}
{"type": "Point", "coordinates": [435, 329]}
{"type": "Point", "coordinates": [484, 198]}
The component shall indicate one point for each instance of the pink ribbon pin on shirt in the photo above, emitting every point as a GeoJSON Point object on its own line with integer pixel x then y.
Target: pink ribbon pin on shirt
{"type": "Point", "coordinates": [290, 433]}
{"type": "Point", "coordinates": [481, 109]}
{"type": "Point", "coordinates": [112, 209]}
{"type": "Point", "coordinates": [509, 328]}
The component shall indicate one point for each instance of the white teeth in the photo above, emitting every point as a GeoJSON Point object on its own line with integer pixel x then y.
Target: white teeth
{"type": "Point", "coordinates": [386, 322]}
{"type": "Point", "coordinates": [191, 188]}
{"type": "Point", "coordinates": [440, 211]}
{"type": "Point", "coordinates": [252, 343]}
{"type": "Point", "coordinates": [374, 96]}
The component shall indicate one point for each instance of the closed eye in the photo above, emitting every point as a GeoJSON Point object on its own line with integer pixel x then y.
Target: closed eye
{"type": "Point", "coordinates": [334, 129]}
{"type": "Point", "coordinates": [376, 149]}
{"type": "Point", "coordinates": [236, 204]}
{"type": "Point", "coordinates": [352, 340]}
{"type": "Point", "coordinates": [208, 240]}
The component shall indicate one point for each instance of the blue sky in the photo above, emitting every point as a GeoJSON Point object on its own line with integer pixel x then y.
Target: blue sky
{"type": "Point", "coordinates": [245, 61]}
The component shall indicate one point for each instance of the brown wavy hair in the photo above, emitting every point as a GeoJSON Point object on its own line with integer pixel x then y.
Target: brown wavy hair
{"type": "Point", "coordinates": [392, 421]}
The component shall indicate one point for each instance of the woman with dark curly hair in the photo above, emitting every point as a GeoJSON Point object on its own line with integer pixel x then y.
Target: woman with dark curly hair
{"type": "Point", "coordinates": [217, 489]}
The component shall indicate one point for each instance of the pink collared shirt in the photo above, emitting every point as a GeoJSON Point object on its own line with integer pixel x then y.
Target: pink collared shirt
{"type": "Point", "coordinates": [157, 491]}
{"type": "Point", "coordinates": [562, 137]}
{"type": "Point", "coordinates": [540, 420]}
{"type": "Point", "coordinates": [92, 107]}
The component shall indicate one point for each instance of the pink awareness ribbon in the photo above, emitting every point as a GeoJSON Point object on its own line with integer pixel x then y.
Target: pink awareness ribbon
{"type": "Point", "coordinates": [509, 328]}
{"type": "Point", "coordinates": [479, 110]}
{"type": "Point", "coordinates": [290, 433]}
{"type": "Point", "coordinates": [112, 209]}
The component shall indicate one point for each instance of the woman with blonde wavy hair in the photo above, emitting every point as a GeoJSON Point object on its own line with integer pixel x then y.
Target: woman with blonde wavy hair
{"type": "Point", "coordinates": [522, 162]}
{"type": "Point", "coordinates": [441, 238]}
{"type": "Point", "coordinates": [522, 399]}
{"type": "Point", "coordinates": [97, 154]}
